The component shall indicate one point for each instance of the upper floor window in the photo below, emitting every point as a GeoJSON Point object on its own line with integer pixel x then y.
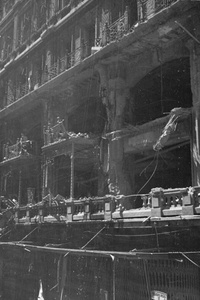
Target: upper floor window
{"type": "Point", "coordinates": [6, 43]}
{"type": "Point", "coordinates": [24, 27]}
{"type": "Point", "coordinates": [52, 7]}
{"type": "Point", "coordinates": [7, 6]}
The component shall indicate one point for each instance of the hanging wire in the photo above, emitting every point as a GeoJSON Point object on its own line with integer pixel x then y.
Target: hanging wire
{"type": "Point", "coordinates": [27, 235]}
{"type": "Point", "coordinates": [5, 233]}
{"type": "Point", "coordinates": [157, 154]}
{"type": "Point", "coordinates": [145, 169]}
{"type": "Point", "coordinates": [157, 241]}
{"type": "Point", "coordinates": [93, 237]}
{"type": "Point", "coordinates": [190, 260]}
{"type": "Point", "coordinates": [159, 55]}
{"type": "Point", "coordinates": [161, 87]}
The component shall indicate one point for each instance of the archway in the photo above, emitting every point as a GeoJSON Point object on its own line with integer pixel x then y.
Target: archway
{"type": "Point", "coordinates": [161, 90]}
{"type": "Point", "coordinates": [151, 101]}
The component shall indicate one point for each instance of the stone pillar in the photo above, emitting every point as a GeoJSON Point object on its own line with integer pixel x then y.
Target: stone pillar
{"type": "Point", "coordinates": [114, 93]}
{"type": "Point", "coordinates": [195, 87]}
{"type": "Point", "coordinates": [1, 275]}
{"type": "Point", "coordinates": [20, 187]}
{"type": "Point", "coordinates": [72, 173]}
{"type": "Point", "coordinates": [15, 33]}
{"type": "Point", "coordinates": [44, 137]}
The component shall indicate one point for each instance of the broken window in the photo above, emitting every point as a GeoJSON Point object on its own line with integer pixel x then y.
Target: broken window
{"type": "Point", "coordinates": [153, 101]}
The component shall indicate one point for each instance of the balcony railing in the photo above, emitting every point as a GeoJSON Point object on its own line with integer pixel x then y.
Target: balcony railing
{"type": "Point", "coordinates": [158, 203]}
{"type": "Point", "coordinates": [115, 31]}
{"type": "Point", "coordinates": [6, 7]}
{"type": "Point", "coordinates": [6, 51]}
{"type": "Point", "coordinates": [55, 133]}
{"type": "Point", "coordinates": [84, 209]}
{"type": "Point", "coordinates": [22, 147]}
{"type": "Point", "coordinates": [111, 33]}
{"type": "Point", "coordinates": [147, 8]}
{"type": "Point", "coordinates": [16, 91]}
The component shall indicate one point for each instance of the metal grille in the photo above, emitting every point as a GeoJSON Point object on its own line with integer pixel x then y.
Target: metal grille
{"type": "Point", "coordinates": [113, 276]}
{"type": "Point", "coordinates": [130, 280]}
{"type": "Point", "coordinates": [178, 278]}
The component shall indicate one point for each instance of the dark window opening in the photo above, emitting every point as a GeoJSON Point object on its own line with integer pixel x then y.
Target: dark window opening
{"type": "Point", "coordinates": [85, 177]}
{"type": "Point", "coordinates": [89, 118]}
{"type": "Point", "coordinates": [153, 98]}
{"type": "Point", "coordinates": [164, 88]}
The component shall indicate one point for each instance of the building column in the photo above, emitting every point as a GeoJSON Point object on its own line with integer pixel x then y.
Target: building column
{"type": "Point", "coordinates": [72, 173]}
{"type": "Point", "coordinates": [15, 33]}
{"type": "Point", "coordinates": [20, 188]}
{"type": "Point", "coordinates": [114, 93]}
{"type": "Point", "coordinates": [195, 87]}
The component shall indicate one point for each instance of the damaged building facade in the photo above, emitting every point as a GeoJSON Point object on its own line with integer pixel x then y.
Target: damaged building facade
{"type": "Point", "coordinates": [82, 87]}
{"type": "Point", "coordinates": [99, 118]}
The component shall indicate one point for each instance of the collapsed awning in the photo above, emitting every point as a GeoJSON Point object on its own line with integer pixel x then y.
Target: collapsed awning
{"type": "Point", "coordinates": [176, 115]}
{"type": "Point", "coordinates": [165, 131]}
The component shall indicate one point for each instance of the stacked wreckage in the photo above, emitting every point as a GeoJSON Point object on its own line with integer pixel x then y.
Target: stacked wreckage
{"type": "Point", "coordinates": [100, 149]}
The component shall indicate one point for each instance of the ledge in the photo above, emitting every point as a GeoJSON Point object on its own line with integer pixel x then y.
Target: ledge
{"type": "Point", "coordinates": [132, 213]}
{"type": "Point", "coordinates": [56, 147]}
{"type": "Point", "coordinates": [173, 211]}
{"type": "Point", "coordinates": [17, 159]}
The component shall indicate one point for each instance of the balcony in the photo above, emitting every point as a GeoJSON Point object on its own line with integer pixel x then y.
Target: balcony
{"type": "Point", "coordinates": [54, 210]}
{"type": "Point", "coordinates": [55, 133]}
{"type": "Point", "coordinates": [158, 204]}
{"type": "Point", "coordinates": [22, 149]}
{"type": "Point", "coordinates": [6, 52]}
{"type": "Point", "coordinates": [111, 33]}
{"type": "Point", "coordinates": [66, 62]}
{"type": "Point", "coordinates": [17, 90]}
{"type": "Point", "coordinates": [58, 141]}
{"type": "Point", "coordinates": [115, 31]}
{"type": "Point", "coordinates": [148, 8]}
{"type": "Point", "coordinates": [6, 8]}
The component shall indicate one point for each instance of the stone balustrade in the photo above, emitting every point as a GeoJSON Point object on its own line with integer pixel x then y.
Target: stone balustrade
{"type": "Point", "coordinates": [173, 202]}
{"type": "Point", "coordinates": [160, 203]}
{"type": "Point", "coordinates": [76, 210]}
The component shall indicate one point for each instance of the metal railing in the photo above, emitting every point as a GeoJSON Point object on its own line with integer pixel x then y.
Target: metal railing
{"type": "Point", "coordinates": [54, 133]}
{"type": "Point", "coordinates": [11, 151]}
{"type": "Point", "coordinates": [111, 33]}
{"type": "Point", "coordinates": [21, 147]}
{"type": "Point", "coordinates": [115, 31]}
{"type": "Point", "coordinates": [147, 8]}
{"type": "Point", "coordinates": [6, 51]}
{"type": "Point", "coordinates": [48, 73]}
